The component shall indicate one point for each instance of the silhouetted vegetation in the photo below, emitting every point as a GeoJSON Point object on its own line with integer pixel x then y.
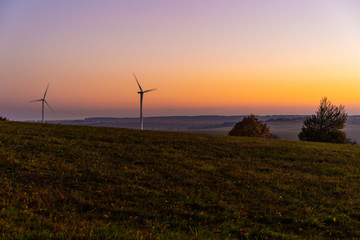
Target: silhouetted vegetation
{"type": "Point", "coordinates": [3, 119]}
{"type": "Point", "coordinates": [326, 125]}
{"type": "Point", "coordinates": [251, 126]}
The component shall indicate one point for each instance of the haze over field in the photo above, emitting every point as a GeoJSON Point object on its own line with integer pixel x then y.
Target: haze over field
{"type": "Point", "coordinates": [286, 127]}
{"type": "Point", "coordinates": [205, 57]}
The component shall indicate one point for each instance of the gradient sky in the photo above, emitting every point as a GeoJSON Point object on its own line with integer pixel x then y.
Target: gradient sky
{"type": "Point", "coordinates": [204, 56]}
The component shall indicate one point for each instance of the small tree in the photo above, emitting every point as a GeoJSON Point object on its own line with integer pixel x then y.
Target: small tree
{"type": "Point", "coordinates": [3, 118]}
{"type": "Point", "coordinates": [326, 125]}
{"type": "Point", "coordinates": [250, 126]}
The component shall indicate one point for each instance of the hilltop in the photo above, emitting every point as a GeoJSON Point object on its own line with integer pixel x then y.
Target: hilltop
{"type": "Point", "coordinates": [63, 181]}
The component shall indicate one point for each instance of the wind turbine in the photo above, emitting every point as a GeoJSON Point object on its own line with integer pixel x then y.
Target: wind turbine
{"type": "Point", "coordinates": [141, 92]}
{"type": "Point", "coordinates": [42, 100]}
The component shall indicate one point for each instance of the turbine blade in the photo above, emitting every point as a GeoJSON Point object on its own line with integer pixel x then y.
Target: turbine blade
{"type": "Point", "coordinates": [39, 100]}
{"type": "Point", "coordinates": [49, 106]}
{"type": "Point", "coordinates": [138, 82]}
{"type": "Point", "coordinates": [150, 90]}
{"type": "Point", "coordinates": [46, 90]}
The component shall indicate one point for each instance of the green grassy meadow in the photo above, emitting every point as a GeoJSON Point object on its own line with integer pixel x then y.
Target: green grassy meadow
{"type": "Point", "coordinates": [77, 182]}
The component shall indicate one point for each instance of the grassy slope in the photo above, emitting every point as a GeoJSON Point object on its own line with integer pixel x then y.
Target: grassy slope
{"type": "Point", "coordinates": [85, 182]}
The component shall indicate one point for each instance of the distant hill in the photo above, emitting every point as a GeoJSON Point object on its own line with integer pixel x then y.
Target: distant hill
{"type": "Point", "coordinates": [172, 122]}
{"type": "Point", "coordinates": [79, 182]}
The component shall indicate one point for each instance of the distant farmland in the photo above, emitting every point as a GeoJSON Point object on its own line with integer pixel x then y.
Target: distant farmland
{"type": "Point", "coordinates": [287, 130]}
{"type": "Point", "coordinates": [287, 127]}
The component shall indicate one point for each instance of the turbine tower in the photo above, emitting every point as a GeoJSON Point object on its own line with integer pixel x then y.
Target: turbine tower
{"type": "Point", "coordinates": [42, 100]}
{"type": "Point", "coordinates": [141, 92]}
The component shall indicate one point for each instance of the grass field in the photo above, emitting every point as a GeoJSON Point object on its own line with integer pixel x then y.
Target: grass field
{"type": "Point", "coordinates": [75, 182]}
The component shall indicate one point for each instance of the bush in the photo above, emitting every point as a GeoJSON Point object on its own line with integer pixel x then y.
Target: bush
{"type": "Point", "coordinates": [326, 125]}
{"type": "Point", "coordinates": [250, 126]}
{"type": "Point", "coordinates": [3, 118]}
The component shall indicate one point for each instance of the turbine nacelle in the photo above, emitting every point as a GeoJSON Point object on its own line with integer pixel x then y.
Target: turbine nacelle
{"type": "Point", "coordinates": [146, 91]}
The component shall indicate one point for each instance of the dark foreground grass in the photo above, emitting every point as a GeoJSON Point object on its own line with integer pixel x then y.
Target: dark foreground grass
{"type": "Point", "coordinates": [73, 182]}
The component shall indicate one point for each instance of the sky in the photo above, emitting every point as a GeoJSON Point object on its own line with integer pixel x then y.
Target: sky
{"type": "Point", "coordinates": [205, 57]}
